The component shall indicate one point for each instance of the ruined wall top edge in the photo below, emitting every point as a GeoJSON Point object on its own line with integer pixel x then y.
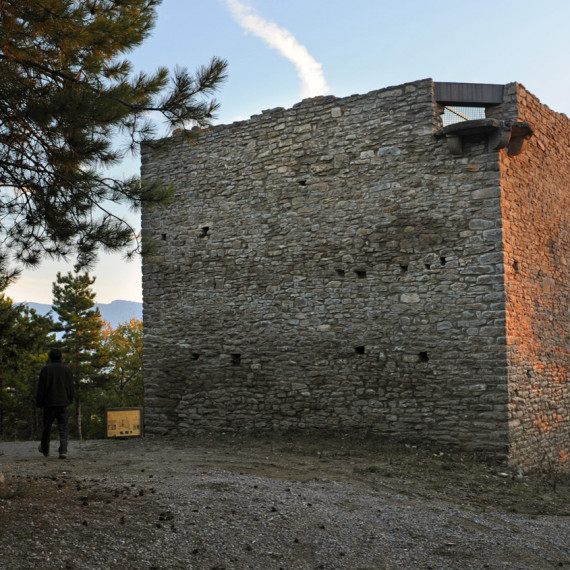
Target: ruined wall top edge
{"type": "Point", "coordinates": [270, 115]}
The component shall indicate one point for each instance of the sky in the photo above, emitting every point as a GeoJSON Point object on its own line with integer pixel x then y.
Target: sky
{"type": "Point", "coordinates": [282, 51]}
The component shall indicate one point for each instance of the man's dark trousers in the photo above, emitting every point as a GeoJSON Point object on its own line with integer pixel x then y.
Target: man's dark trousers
{"type": "Point", "coordinates": [61, 415]}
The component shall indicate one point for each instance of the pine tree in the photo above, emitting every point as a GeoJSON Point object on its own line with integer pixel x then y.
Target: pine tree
{"type": "Point", "coordinates": [66, 91]}
{"type": "Point", "coordinates": [24, 340]}
{"type": "Point", "coordinates": [81, 324]}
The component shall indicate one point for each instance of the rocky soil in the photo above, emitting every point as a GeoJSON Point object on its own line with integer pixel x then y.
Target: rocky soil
{"type": "Point", "coordinates": [232, 503]}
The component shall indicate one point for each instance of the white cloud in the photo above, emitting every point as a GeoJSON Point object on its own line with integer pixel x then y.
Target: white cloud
{"type": "Point", "coordinates": [309, 70]}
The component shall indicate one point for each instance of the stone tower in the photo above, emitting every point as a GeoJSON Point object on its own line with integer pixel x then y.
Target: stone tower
{"type": "Point", "coordinates": [354, 264]}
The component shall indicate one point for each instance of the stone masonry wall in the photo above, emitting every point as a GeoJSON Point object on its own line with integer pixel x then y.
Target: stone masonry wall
{"type": "Point", "coordinates": [536, 221]}
{"type": "Point", "coordinates": [333, 267]}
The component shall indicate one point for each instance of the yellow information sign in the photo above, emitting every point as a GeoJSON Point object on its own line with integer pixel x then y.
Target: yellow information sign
{"type": "Point", "coordinates": [124, 422]}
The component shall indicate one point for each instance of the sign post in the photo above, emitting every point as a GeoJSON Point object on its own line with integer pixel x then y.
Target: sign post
{"type": "Point", "coordinates": [124, 422]}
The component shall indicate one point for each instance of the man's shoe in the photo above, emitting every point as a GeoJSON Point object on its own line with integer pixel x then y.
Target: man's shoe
{"type": "Point", "coordinates": [42, 451]}
{"type": "Point", "coordinates": [63, 455]}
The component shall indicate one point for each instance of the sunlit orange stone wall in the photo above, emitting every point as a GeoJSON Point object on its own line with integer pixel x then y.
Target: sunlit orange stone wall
{"type": "Point", "coordinates": [536, 232]}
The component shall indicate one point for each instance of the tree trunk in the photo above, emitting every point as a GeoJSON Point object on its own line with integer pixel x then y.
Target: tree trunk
{"type": "Point", "coordinates": [1, 412]}
{"type": "Point", "coordinates": [78, 432]}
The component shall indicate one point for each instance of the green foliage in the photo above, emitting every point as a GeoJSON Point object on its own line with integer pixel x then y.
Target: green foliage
{"type": "Point", "coordinates": [66, 91]}
{"type": "Point", "coordinates": [25, 338]}
{"type": "Point", "coordinates": [121, 378]}
{"type": "Point", "coordinates": [124, 369]}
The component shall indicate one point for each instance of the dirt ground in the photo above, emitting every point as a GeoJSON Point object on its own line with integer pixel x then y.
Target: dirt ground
{"type": "Point", "coordinates": [280, 502]}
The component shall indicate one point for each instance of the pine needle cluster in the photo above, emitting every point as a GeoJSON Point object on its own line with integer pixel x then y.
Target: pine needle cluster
{"type": "Point", "coordinates": [67, 94]}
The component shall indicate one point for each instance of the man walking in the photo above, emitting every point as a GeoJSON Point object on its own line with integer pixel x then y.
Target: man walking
{"type": "Point", "coordinates": [55, 394]}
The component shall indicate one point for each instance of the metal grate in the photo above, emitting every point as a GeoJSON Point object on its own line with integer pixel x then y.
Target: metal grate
{"type": "Point", "coordinates": [457, 114]}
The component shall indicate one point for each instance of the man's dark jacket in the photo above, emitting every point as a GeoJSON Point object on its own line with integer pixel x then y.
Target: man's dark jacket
{"type": "Point", "coordinates": [55, 386]}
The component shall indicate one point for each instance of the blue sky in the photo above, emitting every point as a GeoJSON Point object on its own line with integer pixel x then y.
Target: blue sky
{"type": "Point", "coordinates": [281, 50]}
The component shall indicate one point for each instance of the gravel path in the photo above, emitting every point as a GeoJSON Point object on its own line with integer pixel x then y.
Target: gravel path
{"type": "Point", "coordinates": [156, 504]}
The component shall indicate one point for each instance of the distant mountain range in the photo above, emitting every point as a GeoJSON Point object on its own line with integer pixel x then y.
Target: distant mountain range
{"type": "Point", "coordinates": [115, 312]}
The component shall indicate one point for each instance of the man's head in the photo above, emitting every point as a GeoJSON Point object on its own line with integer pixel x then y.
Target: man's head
{"type": "Point", "coordinates": [55, 355]}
